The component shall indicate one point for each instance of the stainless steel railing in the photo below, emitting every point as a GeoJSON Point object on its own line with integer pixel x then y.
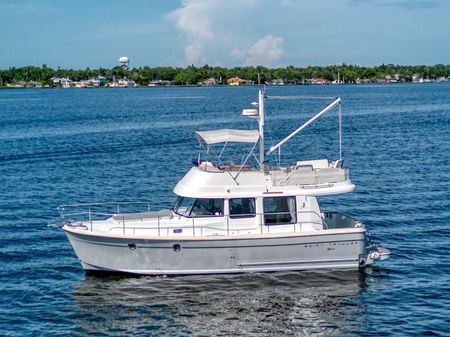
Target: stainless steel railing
{"type": "Point", "coordinates": [78, 212]}
{"type": "Point", "coordinates": [116, 204]}
{"type": "Point", "coordinates": [90, 217]}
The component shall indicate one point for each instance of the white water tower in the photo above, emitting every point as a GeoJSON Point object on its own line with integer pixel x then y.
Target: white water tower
{"type": "Point", "coordinates": [124, 62]}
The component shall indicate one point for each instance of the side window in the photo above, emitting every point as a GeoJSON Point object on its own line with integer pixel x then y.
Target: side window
{"type": "Point", "coordinates": [279, 210]}
{"type": "Point", "coordinates": [207, 207]}
{"type": "Point", "coordinates": [242, 208]}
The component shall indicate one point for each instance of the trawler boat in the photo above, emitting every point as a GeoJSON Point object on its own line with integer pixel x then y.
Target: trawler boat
{"type": "Point", "coordinates": [230, 218]}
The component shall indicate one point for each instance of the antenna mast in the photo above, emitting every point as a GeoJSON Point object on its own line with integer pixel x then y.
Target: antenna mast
{"type": "Point", "coordinates": [261, 128]}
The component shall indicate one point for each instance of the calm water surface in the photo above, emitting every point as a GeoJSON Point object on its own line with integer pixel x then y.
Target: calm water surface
{"type": "Point", "coordinates": [59, 146]}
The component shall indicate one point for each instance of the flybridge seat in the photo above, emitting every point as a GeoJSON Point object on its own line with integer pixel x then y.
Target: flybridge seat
{"type": "Point", "coordinates": [310, 172]}
{"type": "Point", "coordinates": [320, 163]}
{"type": "Point", "coordinates": [315, 164]}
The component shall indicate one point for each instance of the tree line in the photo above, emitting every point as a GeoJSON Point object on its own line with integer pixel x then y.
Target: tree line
{"type": "Point", "coordinates": [192, 75]}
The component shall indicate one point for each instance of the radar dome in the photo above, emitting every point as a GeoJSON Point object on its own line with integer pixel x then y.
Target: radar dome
{"type": "Point", "coordinates": [123, 59]}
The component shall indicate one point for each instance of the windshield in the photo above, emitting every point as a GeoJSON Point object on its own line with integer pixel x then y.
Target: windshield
{"type": "Point", "coordinates": [198, 207]}
{"type": "Point", "coordinates": [183, 206]}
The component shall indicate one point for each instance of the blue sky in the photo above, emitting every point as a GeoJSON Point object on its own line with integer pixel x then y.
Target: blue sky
{"type": "Point", "coordinates": [81, 33]}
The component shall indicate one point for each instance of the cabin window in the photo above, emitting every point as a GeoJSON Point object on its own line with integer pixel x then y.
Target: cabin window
{"type": "Point", "coordinates": [279, 210]}
{"type": "Point", "coordinates": [242, 208]}
{"type": "Point", "coordinates": [198, 207]}
{"type": "Point", "coordinates": [203, 207]}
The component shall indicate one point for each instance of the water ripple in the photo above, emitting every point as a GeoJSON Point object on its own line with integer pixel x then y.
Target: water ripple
{"type": "Point", "coordinates": [59, 146]}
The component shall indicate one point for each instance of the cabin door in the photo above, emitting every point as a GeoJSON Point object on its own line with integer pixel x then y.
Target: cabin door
{"type": "Point", "coordinates": [242, 215]}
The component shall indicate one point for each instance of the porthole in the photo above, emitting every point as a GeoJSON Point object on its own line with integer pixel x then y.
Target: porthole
{"type": "Point", "coordinates": [176, 247]}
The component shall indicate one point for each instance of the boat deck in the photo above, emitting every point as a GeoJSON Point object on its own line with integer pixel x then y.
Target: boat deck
{"type": "Point", "coordinates": [168, 224]}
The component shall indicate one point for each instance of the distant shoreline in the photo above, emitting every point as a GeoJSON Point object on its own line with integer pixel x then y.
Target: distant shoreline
{"type": "Point", "coordinates": [123, 76]}
{"type": "Point", "coordinates": [222, 86]}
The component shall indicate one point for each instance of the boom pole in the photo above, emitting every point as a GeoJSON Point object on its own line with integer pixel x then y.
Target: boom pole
{"type": "Point", "coordinates": [336, 102]}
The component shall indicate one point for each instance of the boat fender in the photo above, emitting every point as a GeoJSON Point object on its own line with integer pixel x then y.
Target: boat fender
{"type": "Point", "coordinates": [132, 246]}
{"type": "Point", "coordinates": [176, 247]}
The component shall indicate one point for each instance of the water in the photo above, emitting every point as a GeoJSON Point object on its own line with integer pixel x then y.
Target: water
{"type": "Point", "coordinates": [59, 146]}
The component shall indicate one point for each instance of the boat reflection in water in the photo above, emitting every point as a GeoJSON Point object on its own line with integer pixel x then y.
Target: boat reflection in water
{"type": "Point", "coordinates": [308, 303]}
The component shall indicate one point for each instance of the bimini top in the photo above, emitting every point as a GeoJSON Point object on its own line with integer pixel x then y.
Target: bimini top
{"type": "Point", "coordinates": [228, 135]}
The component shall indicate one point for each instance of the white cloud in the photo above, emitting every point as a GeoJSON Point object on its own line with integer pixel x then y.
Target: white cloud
{"type": "Point", "coordinates": [193, 53]}
{"type": "Point", "coordinates": [266, 51]}
{"type": "Point", "coordinates": [194, 20]}
{"type": "Point", "coordinates": [215, 32]}
{"type": "Point", "coordinates": [238, 54]}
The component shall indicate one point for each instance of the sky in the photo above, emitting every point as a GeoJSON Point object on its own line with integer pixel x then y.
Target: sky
{"type": "Point", "coordinates": [273, 33]}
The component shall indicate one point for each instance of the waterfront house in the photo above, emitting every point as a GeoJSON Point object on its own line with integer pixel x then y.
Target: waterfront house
{"type": "Point", "coordinates": [233, 81]}
{"type": "Point", "coordinates": [123, 83]}
{"type": "Point", "coordinates": [211, 81]}
{"type": "Point", "coordinates": [63, 82]}
{"type": "Point", "coordinates": [320, 80]}
{"type": "Point", "coordinates": [126, 83]}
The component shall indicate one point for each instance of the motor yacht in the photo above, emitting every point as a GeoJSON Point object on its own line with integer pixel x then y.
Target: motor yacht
{"type": "Point", "coordinates": [230, 218]}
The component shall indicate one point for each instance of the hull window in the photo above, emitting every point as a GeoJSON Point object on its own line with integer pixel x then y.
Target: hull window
{"type": "Point", "coordinates": [279, 210]}
{"type": "Point", "coordinates": [242, 208]}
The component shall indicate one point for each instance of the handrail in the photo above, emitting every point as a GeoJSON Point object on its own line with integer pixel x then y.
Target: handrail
{"type": "Point", "coordinates": [117, 206]}
{"type": "Point", "coordinates": [195, 227]}
{"type": "Point", "coordinates": [103, 203]}
{"type": "Point", "coordinates": [61, 207]}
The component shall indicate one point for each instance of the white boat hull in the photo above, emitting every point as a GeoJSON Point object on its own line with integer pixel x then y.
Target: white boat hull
{"type": "Point", "coordinates": [327, 249]}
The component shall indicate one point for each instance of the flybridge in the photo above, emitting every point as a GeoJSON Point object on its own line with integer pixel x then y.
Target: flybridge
{"type": "Point", "coordinates": [226, 136]}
